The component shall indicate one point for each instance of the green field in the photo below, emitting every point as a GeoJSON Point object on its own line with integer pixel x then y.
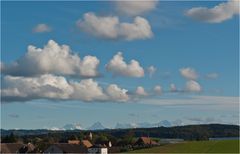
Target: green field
{"type": "Point", "coordinates": [227, 146]}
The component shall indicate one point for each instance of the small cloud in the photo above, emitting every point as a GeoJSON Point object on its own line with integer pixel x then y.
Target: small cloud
{"type": "Point", "coordinates": [140, 91]}
{"type": "Point", "coordinates": [12, 115]}
{"type": "Point", "coordinates": [151, 70]}
{"type": "Point", "coordinates": [118, 66]}
{"type": "Point", "coordinates": [193, 86]}
{"type": "Point", "coordinates": [42, 28]}
{"type": "Point", "coordinates": [212, 76]}
{"type": "Point", "coordinates": [217, 14]}
{"type": "Point", "coordinates": [157, 89]}
{"type": "Point", "coordinates": [133, 8]}
{"type": "Point", "coordinates": [189, 73]}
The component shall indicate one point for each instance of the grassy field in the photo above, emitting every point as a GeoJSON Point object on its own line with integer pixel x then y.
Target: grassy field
{"type": "Point", "coordinates": [227, 146]}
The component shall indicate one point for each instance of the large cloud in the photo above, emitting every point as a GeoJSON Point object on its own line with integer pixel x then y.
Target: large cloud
{"type": "Point", "coordinates": [118, 66]}
{"type": "Point", "coordinates": [53, 58]}
{"type": "Point", "coordinates": [217, 14]}
{"type": "Point", "coordinates": [193, 86]}
{"type": "Point", "coordinates": [189, 73]}
{"type": "Point", "coordinates": [109, 27]}
{"type": "Point", "coordinates": [134, 7]}
{"type": "Point", "coordinates": [58, 88]}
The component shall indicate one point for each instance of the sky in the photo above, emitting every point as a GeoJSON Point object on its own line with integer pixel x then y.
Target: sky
{"type": "Point", "coordinates": [115, 62]}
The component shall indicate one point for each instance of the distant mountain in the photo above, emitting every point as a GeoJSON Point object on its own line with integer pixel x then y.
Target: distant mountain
{"type": "Point", "coordinates": [124, 126]}
{"type": "Point", "coordinates": [164, 123]}
{"type": "Point", "coordinates": [97, 126]}
{"type": "Point", "coordinates": [72, 127]}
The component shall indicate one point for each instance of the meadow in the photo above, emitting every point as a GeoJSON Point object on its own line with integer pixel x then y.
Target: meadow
{"type": "Point", "coordinates": [223, 146]}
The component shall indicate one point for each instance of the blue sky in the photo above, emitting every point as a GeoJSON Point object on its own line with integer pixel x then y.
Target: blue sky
{"type": "Point", "coordinates": [181, 39]}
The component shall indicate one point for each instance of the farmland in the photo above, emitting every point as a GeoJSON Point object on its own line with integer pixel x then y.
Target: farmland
{"type": "Point", "coordinates": [226, 146]}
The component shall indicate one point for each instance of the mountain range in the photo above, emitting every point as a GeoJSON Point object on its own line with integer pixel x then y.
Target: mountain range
{"type": "Point", "coordinates": [100, 126]}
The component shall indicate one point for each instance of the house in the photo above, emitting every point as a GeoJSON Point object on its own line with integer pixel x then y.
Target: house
{"type": "Point", "coordinates": [145, 141]}
{"type": "Point", "coordinates": [73, 142]}
{"type": "Point", "coordinates": [104, 143]}
{"type": "Point", "coordinates": [65, 148]}
{"type": "Point", "coordinates": [98, 149]}
{"type": "Point", "coordinates": [16, 148]}
{"type": "Point", "coordinates": [10, 147]}
{"type": "Point", "coordinates": [86, 143]}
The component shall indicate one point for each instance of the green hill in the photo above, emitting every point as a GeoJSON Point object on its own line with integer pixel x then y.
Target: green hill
{"type": "Point", "coordinates": [223, 146]}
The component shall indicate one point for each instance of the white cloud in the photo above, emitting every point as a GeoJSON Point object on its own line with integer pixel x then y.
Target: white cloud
{"type": "Point", "coordinates": [173, 87]}
{"type": "Point", "coordinates": [118, 66]}
{"type": "Point", "coordinates": [58, 88]}
{"type": "Point", "coordinates": [42, 28]}
{"type": "Point", "coordinates": [189, 73]}
{"type": "Point", "coordinates": [109, 27]}
{"type": "Point", "coordinates": [212, 76]}
{"type": "Point", "coordinates": [151, 70]}
{"type": "Point", "coordinates": [116, 93]}
{"type": "Point", "coordinates": [55, 59]}
{"type": "Point", "coordinates": [193, 86]}
{"type": "Point", "coordinates": [140, 91]}
{"type": "Point", "coordinates": [157, 89]}
{"type": "Point", "coordinates": [87, 90]}
{"type": "Point", "coordinates": [217, 14]}
{"type": "Point", "coordinates": [134, 7]}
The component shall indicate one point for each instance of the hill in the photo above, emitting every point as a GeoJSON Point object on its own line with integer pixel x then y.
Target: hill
{"type": "Point", "coordinates": [224, 146]}
{"type": "Point", "coordinates": [188, 132]}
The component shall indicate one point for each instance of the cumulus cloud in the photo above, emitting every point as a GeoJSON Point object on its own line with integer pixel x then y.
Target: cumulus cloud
{"type": "Point", "coordinates": [42, 28]}
{"type": "Point", "coordinates": [116, 93]}
{"type": "Point", "coordinates": [140, 91]}
{"type": "Point", "coordinates": [58, 88]}
{"type": "Point", "coordinates": [118, 66]}
{"type": "Point", "coordinates": [109, 27]}
{"type": "Point", "coordinates": [193, 86]}
{"type": "Point", "coordinates": [157, 89]}
{"type": "Point", "coordinates": [189, 73]}
{"type": "Point", "coordinates": [53, 58]}
{"type": "Point", "coordinates": [134, 7]}
{"type": "Point", "coordinates": [212, 75]}
{"type": "Point", "coordinates": [217, 14]}
{"type": "Point", "coordinates": [151, 70]}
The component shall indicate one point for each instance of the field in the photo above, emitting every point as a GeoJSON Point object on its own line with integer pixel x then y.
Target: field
{"type": "Point", "coordinates": [224, 146]}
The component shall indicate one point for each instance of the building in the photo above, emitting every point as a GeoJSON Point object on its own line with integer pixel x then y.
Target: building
{"type": "Point", "coordinates": [145, 141]}
{"type": "Point", "coordinates": [86, 143]}
{"type": "Point", "coordinates": [98, 149]}
{"type": "Point", "coordinates": [73, 142]}
{"type": "Point", "coordinates": [66, 148]}
{"type": "Point", "coordinates": [90, 136]}
{"type": "Point", "coordinates": [16, 148]}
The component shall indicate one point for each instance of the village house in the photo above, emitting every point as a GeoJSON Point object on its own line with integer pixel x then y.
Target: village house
{"type": "Point", "coordinates": [98, 149]}
{"type": "Point", "coordinates": [145, 141]}
{"type": "Point", "coordinates": [16, 148]}
{"type": "Point", "coordinates": [86, 143]}
{"type": "Point", "coordinates": [73, 142]}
